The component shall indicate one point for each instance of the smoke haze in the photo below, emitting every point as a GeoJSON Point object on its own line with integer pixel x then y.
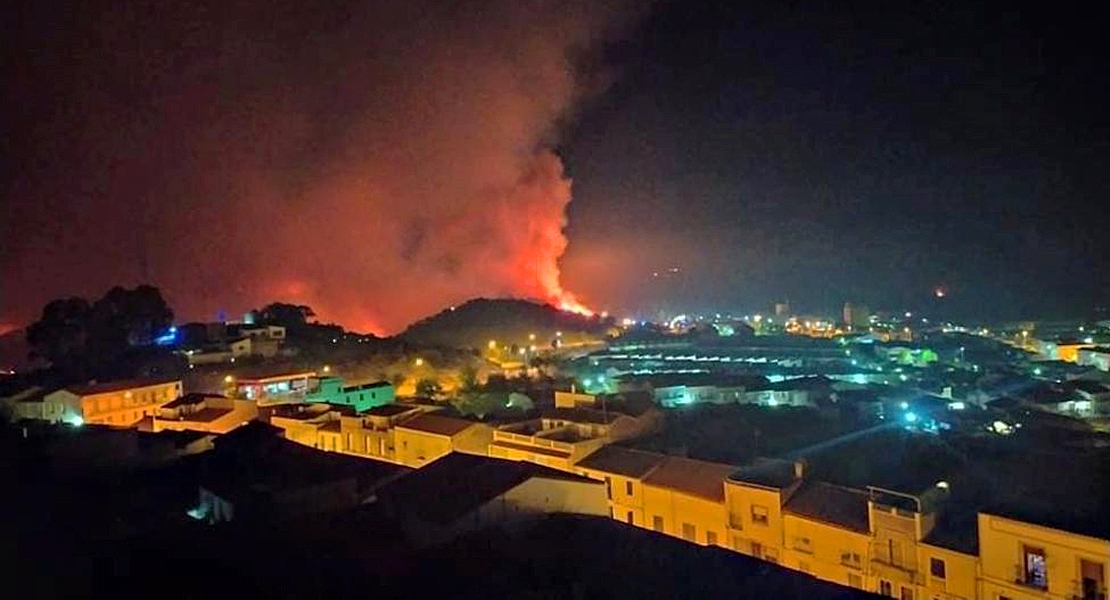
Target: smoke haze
{"type": "Point", "coordinates": [377, 161]}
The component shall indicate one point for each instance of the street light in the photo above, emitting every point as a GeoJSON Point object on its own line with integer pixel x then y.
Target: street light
{"type": "Point", "coordinates": [418, 362]}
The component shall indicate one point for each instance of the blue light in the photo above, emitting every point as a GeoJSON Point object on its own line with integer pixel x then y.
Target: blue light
{"type": "Point", "coordinates": [910, 417]}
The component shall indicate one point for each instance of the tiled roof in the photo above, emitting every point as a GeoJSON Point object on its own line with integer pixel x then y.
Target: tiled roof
{"type": "Point", "coordinates": [694, 477]}
{"type": "Point", "coordinates": [831, 504]}
{"type": "Point", "coordinates": [622, 461]}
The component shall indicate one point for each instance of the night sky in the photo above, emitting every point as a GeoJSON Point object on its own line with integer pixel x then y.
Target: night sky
{"type": "Point", "coordinates": [381, 161]}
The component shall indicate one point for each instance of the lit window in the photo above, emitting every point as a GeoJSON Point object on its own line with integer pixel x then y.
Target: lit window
{"type": "Point", "coordinates": [1035, 567]}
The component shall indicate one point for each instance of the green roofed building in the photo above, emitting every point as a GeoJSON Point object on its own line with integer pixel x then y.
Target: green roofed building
{"type": "Point", "coordinates": [361, 397]}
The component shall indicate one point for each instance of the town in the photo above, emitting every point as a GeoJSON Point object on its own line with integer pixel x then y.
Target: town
{"type": "Point", "coordinates": [882, 452]}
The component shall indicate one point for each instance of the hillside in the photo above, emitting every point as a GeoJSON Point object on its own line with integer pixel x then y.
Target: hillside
{"type": "Point", "coordinates": [507, 322]}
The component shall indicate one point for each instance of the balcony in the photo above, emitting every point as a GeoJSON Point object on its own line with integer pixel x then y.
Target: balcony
{"type": "Point", "coordinates": [1088, 592]}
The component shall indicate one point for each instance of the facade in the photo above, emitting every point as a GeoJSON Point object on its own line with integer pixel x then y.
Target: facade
{"type": "Point", "coordinates": [362, 397]}
{"type": "Point", "coordinates": [562, 437]}
{"type": "Point", "coordinates": [203, 412]}
{"type": "Point", "coordinates": [1025, 561]}
{"type": "Point", "coordinates": [117, 404]}
{"type": "Point", "coordinates": [427, 436]}
{"type": "Point", "coordinates": [685, 498]}
{"type": "Point", "coordinates": [1097, 357]}
{"type": "Point", "coordinates": [277, 388]}
{"type": "Point", "coordinates": [459, 493]}
{"type": "Point", "coordinates": [623, 470]}
{"type": "Point", "coordinates": [826, 534]}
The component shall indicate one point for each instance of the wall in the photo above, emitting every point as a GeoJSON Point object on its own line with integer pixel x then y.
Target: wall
{"type": "Point", "coordinates": [415, 448]}
{"type": "Point", "coordinates": [678, 509]}
{"type": "Point", "coordinates": [830, 553]}
{"type": "Point", "coordinates": [961, 574]}
{"type": "Point", "coordinates": [242, 411]}
{"type": "Point", "coordinates": [1000, 552]}
{"type": "Point", "coordinates": [549, 495]}
{"type": "Point", "coordinates": [744, 529]}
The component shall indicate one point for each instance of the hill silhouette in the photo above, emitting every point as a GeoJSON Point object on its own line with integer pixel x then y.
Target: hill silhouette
{"type": "Point", "coordinates": [506, 321]}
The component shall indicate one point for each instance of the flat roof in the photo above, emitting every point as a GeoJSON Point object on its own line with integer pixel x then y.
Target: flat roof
{"type": "Point", "coordinates": [119, 385]}
{"type": "Point", "coordinates": [622, 461]}
{"type": "Point", "coordinates": [533, 449]}
{"type": "Point", "coordinates": [269, 377]}
{"type": "Point", "coordinates": [694, 477]}
{"type": "Point", "coordinates": [581, 415]}
{"type": "Point", "coordinates": [437, 424]}
{"type": "Point", "coordinates": [205, 415]}
{"type": "Point", "coordinates": [831, 504]}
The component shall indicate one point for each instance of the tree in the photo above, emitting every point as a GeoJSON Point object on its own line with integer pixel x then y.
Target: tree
{"type": "Point", "coordinates": [82, 340]}
{"type": "Point", "coordinates": [428, 388]}
{"type": "Point", "coordinates": [479, 404]}
{"type": "Point", "coordinates": [61, 333]}
{"type": "Point", "coordinates": [291, 316]}
{"type": "Point", "coordinates": [468, 378]}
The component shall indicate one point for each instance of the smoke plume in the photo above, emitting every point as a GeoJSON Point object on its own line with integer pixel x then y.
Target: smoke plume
{"type": "Point", "coordinates": [377, 161]}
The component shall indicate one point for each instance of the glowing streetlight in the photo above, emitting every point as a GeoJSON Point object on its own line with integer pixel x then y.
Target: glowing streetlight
{"type": "Point", "coordinates": [228, 379]}
{"type": "Point", "coordinates": [492, 345]}
{"type": "Point", "coordinates": [327, 368]}
{"type": "Point", "coordinates": [418, 362]}
{"type": "Point", "coordinates": [531, 337]}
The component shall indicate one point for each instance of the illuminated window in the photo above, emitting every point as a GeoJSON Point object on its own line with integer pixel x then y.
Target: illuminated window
{"type": "Point", "coordinates": [937, 568]}
{"type": "Point", "coordinates": [759, 514]}
{"type": "Point", "coordinates": [1035, 567]}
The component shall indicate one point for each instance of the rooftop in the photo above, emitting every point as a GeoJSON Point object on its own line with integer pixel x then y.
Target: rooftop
{"type": "Point", "coordinates": [120, 385]}
{"type": "Point", "coordinates": [388, 410]}
{"type": "Point", "coordinates": [622, 461]}
{"type": "Point", "coordinates": [831, 504]}
{"type": "Point", "coordinates": [270, 376]}
{"type": "Point", "coordinates": [552, 452]}
{"type": "Point", "coordinates": [582, 415]}
{"type": "Point", "coordinates": [772, 473]}
{"type": "Point", "coordinates": [190, 399]}
{"type": "Point", "coordinates": [206, 415]}
{"type": "Point", "coordinates": [693, 477]}
{"type": "Point", "coordinates": [437, 424]}
{"type": "Point", "coordinates": [456, 484]}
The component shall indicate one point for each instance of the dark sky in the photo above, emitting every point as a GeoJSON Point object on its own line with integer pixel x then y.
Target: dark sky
{"type": "Point", "coordinates": [382, 162]}
{"type": "Point", "coordinates": [853, 154]}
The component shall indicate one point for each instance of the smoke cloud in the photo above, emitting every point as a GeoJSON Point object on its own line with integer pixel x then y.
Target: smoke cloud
{"type": "Point", "coordinates": [377, 161]}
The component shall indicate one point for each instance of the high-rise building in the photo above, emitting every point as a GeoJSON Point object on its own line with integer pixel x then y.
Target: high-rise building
{"type": "Point", "coordinates": [855, 315]}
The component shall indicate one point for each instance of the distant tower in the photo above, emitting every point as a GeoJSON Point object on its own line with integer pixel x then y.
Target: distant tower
{"type": "Point", "coordinates": [782, 309]}
{"type": "Point", "coordinates": [855, 315]}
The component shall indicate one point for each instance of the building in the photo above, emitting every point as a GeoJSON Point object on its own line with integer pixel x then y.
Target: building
{"type": "Point", "coordinates": [623, 470]}
{"type": "Point", "coordinates": [1066, 350]}
{"type": "Point", "coordinates": [428, 436]}
{"type": "Point", "coordinates": [1023, 560]}
{"type": "Point", "coordinates": [460, 493]}
{"type": "Point", "coordinates": [203, 412]}
{"type": "Point", "coordinates": [115, 403]}
{"type": "Point", "coordinates": [214, 343]}
{"type": "Point", "coordinates": [561, 437]}
{"type": "Point", "coordinates": [276, 388]}
{"type": "Point", "coordinates": [685, 498]}
{"type": "Point", "coordinates": [856, 316]}
{"type": "Point", "coordinates": [254, 474]}
{"type": "Point", "coordinates": [826, 533]}
{"type": "Point", "coordinates": [754, 497]}
{"type": "Point", "coordinates": [1095, 356]}
{"type": "Point", "coordinates": [362, 397]}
